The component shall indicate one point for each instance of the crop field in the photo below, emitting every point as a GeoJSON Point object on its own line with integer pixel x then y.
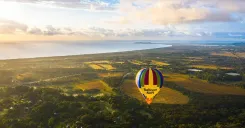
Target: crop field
{"type": "Point", "coordinates": [24, 76]}
{"type": "Point", "coordinates": [195, 58]}
{"type": "Point", "coordinates": [98, 62]}
{"type": "Point", "coordinates": [111, 74]}
{"type": "Point", "coordinates": [107, 66]}
{"type": "Point", "coordinates": [209, 67]}
{"type": "Point", "coordinates": [228, 54]}
{"type": "Point", "coordinates": [95, 66]}
{"type": "Point", "coordinates": [241, 54]}
{"type": "Point", "coordinates": [159, 63]}
{"type": "Point", "coordinates": [202, 86]}
{"type": "Point", "coordinates": [119, 62]}
{"type": "Point", "coordinates": [166, 95]}
{"type": "Point", "coordinates": [136, 62]}
{"type": "Point", "coordinates": [96, 84]}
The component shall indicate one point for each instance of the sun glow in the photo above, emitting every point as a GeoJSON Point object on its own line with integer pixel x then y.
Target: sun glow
{"type": "Point", "coordinates": [10, 10]}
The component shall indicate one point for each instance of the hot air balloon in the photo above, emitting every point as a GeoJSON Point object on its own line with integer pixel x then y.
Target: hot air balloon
{"type": "Point", "coordinates": [149, 82]}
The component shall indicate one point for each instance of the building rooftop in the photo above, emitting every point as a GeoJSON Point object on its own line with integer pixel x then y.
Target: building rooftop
{"type": "Point", "coordinates": [194, 70]}
{"type": "Point", "coordinates": [233, 74]}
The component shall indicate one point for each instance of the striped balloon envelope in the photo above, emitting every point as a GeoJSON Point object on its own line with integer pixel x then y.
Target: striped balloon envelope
{"type": "Point", "coordinates": [149, 81]}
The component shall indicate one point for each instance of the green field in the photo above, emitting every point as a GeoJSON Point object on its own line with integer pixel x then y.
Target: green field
{"type": "Point", "coordinates": [202, 86]}
{"type": "Point", "coordinates": [166, 95]}
{"type": "Point", "coordinates": [95, 84]}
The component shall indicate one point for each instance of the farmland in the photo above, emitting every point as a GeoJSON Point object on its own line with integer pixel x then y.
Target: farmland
{"type": "Point", "coordinates": [159, 63]}
{"type": "Point", "coordinates": [166, 95]}
{"type": "Point", "coordinates": [96, 84]}
{"type": "Point", "coordinates": [202, 86]}
{"type": "Point", "coordinates": [229, 54]}
{"type": "Point", "coordinates": [209, 67]}
{"type": "Point", "coordinates": [137, 62]}
{"type": "Point", "coordinates": [100, 65]}
{"type": "Point", "coordinates": [100, 87]}
{"type": "Point", "coordinates": [107, 66]}
{"type": "Point", "coordinates": [111, 74]}
{"type": "Point", "coordinates": [95, 66]}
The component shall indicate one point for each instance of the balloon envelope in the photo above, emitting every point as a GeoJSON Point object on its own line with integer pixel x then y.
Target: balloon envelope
{"type": "Point", "coordinates": [149, 81]}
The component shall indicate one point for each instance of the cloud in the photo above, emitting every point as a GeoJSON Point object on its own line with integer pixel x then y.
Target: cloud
{"type": "Point", "coordinates": [55, 31]}
{"type": "Point", "coordinates": [52, 31]}
{"type": "Point", "coordinates": [35, 31]}
{"type": "Point", "coordinates": [234, 35]}
{"type": "Point", "coordinates": [49, 31]}
{"type": "Point", "coordinates": [180, 11]}
{"type": "Point", "coordinates": [93, 32]}
{"type": "Point", "coordinates": [232, 5]}
{"type": "Point", "coordinates": [10, 27]}
{"type": "Point", "coordinates": [168, 31]}
{"type": "Point", "coordinates": [80, 4]}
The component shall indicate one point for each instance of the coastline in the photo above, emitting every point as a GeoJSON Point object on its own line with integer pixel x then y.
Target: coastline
{"type": "Point", "coordinates": [88, 54]}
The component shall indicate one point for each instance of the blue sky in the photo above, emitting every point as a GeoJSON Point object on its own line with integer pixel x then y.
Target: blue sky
{"type": "Point", "coordinates": [121, 19]}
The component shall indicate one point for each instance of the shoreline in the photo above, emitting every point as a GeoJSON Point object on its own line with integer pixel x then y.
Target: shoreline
{"type": "Point", "coordinates": [46, 57]}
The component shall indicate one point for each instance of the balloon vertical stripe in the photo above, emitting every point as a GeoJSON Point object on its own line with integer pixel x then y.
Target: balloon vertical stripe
{"type": "Point", "coordinates": [146, 78]}
{"type": "Point", "coordinates": [142, 83]}
{"type": "Point", "coordinates": [154, 77]}
{"type": "Point", "coordinates": [138, 77]}
{"type": "Point", "coordinates": [161, 78]}
{"type": "Point", "coordinates": [158, 79]}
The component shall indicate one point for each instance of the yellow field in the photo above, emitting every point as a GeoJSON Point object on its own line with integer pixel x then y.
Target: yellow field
{"type": "Point", "coordinates": [195, 58]}
{"type": "Point", "coordinates": [209, 67]}
{"type": "Point", "coordinates": [97, 84]}
{"type": "Point", "coordinates": [95, 66]}
{"type": "Point", "coordinates": [23, 76]}
{"type": "Point", "coordinates": [202, 86]}
{"type": "Point", "coordinates": [107, 66]}
{"type": "Point", "coordinates": [166, 95]}
{"type": "Point", "coordinates": [241, 54]}
{"type": "Point", "coordinates": [229, 54]}
{"type": "Point", "coordinates": [136, 62]}
{"type": "Point", "coordinates": [119, 62]}
{"type": "Point", "coordinates": [159, 63]}
{"type": "Point", "coordinates": [98, 62]}
{"type": "Point", "coordinates": [111, 74]}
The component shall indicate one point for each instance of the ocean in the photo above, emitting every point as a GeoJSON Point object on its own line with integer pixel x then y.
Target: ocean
{"type": "Point", "coordinates": [48, 49]}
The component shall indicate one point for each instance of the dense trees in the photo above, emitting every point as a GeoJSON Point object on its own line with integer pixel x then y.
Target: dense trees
{"type": "Point", "coordinates": [26, 107]}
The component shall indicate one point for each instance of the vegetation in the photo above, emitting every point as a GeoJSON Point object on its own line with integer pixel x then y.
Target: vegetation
{"type": "Point", "coordinates": [69, 92]}
{"type": "Point", "coordinates": [95, 66]}
{"type": "Point", "coordinates": [202, 86]}
{"type": "Point", "coordinates": [97, 84]}
{"type": "Point", "coordinates": [209, 67]}
{"type": "Point", "coordinates": [166, 95]}
{"type": "Point", "coordinates": [158, 63]}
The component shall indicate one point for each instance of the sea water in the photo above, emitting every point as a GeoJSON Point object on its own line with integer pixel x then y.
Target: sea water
{"type": "Point", "coordinates": [48, 49]}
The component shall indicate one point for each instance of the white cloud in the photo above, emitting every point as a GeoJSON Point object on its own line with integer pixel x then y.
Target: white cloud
{"type": "Point", "coordinates": [180, 11]}
{"type": "Point", "coordinates": [35, 31]}
{"type": "Point", "coordinates": [80, 4]}
{"type": "Point", "coordinates": [9, 27]}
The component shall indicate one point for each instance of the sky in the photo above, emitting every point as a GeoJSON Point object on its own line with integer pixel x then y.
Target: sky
{"type": "Point", "coordinates": [35, 20]}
